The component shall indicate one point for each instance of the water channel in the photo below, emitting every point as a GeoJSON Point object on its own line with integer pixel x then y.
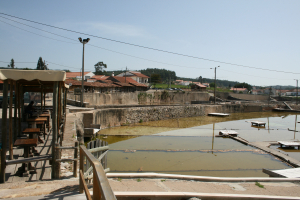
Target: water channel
{"type": "Point", "coordinates": [189, 146]}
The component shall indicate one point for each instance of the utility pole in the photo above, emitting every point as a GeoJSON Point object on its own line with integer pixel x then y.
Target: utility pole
{"type": "Point", "coordinates": [296, 92]}
{"type": "Point", "coordinates": [84, 41]}
{"type": "Point", "coordinates": [125, 74]}
{"type": "Point", "coordinates": [215, 84]}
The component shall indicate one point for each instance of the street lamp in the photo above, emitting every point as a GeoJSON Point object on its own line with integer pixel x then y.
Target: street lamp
{"type": "Point", "coordinates": [215, 83]}
{"type": "Point", "coordinates": [296, 92]}
{"type": "Point", "coordinates": [84, 41]}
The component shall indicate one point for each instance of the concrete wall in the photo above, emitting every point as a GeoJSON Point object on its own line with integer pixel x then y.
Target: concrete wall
{"type": "Point", "coordinates": [142, 98]}
{"type": "Point", "coordinates": [118, 116]}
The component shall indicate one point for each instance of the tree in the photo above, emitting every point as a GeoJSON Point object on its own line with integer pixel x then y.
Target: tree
{"type": "Point", "coordinates": [212, 85]}
{"type": "Point", "coordinates": [99, 68]}
{"type": "Point", "coordinates": [41, 65]}
{"type": "Point", "coordinates": [12, 64]}
{"type": "Point", "coordinates": [155, 78]}
{"type": "Point", "coordinates": [200, 79]}
{"type": "Point", "coordinates": [243, 85]}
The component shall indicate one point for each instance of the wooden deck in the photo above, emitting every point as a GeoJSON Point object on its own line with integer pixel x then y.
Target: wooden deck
{"type": "Point", "coordinates": [218, 114]}
{"type": "Point", "coordinates": [286, 173]}
{"type": "Point", "coordinates": [289, 144]}
{"type": "Point", "coordinates": [257, 123]}
{"type": "Point", "coordinates": [228, 132]}
{"type": "Point", "coordinates": [43, 169]}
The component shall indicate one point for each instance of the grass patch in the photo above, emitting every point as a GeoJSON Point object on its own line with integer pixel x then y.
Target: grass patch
{"type": "Point", "coordinates": [163, 180]}
{"type": "Point", "coordinates": [119, 179]}
{"type": "Point", "coordinates": [138, 180]}
{"type": "Point", "coordinates": [259, 185]}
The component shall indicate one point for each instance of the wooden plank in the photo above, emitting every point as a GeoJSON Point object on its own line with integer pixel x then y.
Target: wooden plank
{"type": "Point", "coordinates": [85, 188]}
{"type": "Point", "coordinates": [27, 160]}
{"type": "Point", "coordinates": [26, 142]}
{"type": "Point", "coordinates": [100, 178]}
{"type": "Point", "coordinates": [98, 149]}
{"type": "Point", "coordinates": [4, 130]}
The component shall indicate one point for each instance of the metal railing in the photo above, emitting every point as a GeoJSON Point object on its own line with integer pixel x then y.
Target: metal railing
{"type": "Point", "coordinates": [101, 187]}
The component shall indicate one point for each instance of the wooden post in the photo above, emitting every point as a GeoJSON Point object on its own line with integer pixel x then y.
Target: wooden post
{"type": "Point", "coordinates": [15, 110]}
{"type": "Point", "coordinates": [54, 127]}
{"type": "Point", "coordinates": [10, 121]}
{"type": "Point", "coordinates": [57, 164]}
{"type": "Point", "coordinates": [96, 186]}
{"type": "Point", "coordinates": [42, 99]}
{"type": "Point", "coordinates": [75, 163]}
{"type": "Point", "coordinates": [81, 168]}
{"type": "Point", "coordinates": [4, 129]}
{"type": "Point", "coordinates": [19, 110]}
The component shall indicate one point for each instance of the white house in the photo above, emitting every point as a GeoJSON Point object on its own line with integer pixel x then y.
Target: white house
{"type": "Point", "coordinates": [78, 75]}
{"type": "Point", "coordinates": [137, 76]}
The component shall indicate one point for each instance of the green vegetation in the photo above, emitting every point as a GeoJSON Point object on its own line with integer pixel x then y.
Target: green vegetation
{"type": "Point", "coordinates": [12, 64]}
{"type": "Point", "coordinates": [218, 89]}
{"type": "Point", "coordinates": [163, 180]}
{"type": "Point", "coordinates": [165, 86]}
{"type": "Point", "coordinates": [259, 185]}
{"type": "Point", "coordinates": [141, 121]}
{"type": "Point", "coordinates": [139, 180]}
{"type": "Point", "coordinates": [99, 68]}
{"type": "Point", "coordinates": [41, 65]}
{"type": "Point", "coordinates": [119, 179]}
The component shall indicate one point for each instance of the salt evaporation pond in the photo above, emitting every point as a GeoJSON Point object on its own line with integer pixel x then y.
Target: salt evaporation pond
{"type": "Point", "coordinates": [188, 146]}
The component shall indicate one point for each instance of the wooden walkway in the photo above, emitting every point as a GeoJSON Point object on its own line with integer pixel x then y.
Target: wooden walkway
{"type": "Point", "coordinates": [228, 132]}
{"type": "Point", "coordinates": [43, 169]}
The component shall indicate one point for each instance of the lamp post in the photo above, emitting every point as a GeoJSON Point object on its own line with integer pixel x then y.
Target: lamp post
{"type": "Point", "coordinates": [84, 41]}
{"type": "Point", "coordinates": [215, 84]}
{"type": "Point", "coordinates": [296, 92]}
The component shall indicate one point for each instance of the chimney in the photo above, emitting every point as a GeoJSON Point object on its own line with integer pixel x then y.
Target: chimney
{"type": "Point", "coordinates": [113, 74]}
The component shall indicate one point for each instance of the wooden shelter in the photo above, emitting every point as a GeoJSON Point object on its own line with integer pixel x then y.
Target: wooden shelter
{"type": "Point", "coordinates": [40, 81]}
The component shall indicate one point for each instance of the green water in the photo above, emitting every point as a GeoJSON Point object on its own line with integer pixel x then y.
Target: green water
{"type": "Point", "coordinates": [188, 146]}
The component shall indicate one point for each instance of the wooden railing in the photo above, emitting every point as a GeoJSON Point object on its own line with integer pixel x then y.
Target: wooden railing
{"type": "Point", "coordinates": [101, 187]}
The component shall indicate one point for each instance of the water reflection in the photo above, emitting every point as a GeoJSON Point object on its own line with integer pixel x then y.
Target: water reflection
{"type": "Point", "coordinates": [189, 145]}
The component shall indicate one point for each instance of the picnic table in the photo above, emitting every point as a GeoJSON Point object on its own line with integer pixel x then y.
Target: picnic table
{"type": "Point", "coordinates": [26, 144]}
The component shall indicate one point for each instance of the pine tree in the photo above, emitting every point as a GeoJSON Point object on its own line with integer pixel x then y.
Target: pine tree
{"type": "Point", "coordinates": [40, 64]}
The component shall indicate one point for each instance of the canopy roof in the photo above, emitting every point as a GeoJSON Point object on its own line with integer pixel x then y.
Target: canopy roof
{"type": "Point", "coordinates": [29, 75]}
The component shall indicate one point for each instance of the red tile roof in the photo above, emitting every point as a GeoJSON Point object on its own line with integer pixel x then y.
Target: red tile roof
{"type": "Point", "coordinates": [139, 74]}
{"type": "Point", "coordinates": [74, 82]}
{"type": "Point", "coordinates": [238, 89]}
{"type": "Point", "coordinates": [100, 77]}
{"type": "Point", "coordinates": [200, 85]}
{"type": "Point", "coordinates": [74, 74]}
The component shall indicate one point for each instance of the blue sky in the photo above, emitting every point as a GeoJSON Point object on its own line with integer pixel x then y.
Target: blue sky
{"type": "Point", "coordinates": [257, 33]}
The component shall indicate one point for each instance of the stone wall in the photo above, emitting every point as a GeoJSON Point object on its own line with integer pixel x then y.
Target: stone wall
{"type": "Point", "coordinates": [142, 98]}
{"type": "Point", "coordinates": [118, 116]}
{"type": "Point", "coordinates": [250, 97]}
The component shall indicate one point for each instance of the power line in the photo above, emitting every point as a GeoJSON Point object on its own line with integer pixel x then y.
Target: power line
{"type": "Point", "coordinates": [95, 45]}
{"type": "Point", "coordinates": [145, 47]}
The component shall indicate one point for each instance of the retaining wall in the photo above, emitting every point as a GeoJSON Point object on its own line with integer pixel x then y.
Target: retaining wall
{"type": "Point", "coordinates": [118, 116]}
{"type": "Point", "coordinates": [142, 98]}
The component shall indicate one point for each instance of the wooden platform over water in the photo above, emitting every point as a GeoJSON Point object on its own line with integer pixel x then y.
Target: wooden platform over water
{"type": "Point", "coordinates": [218, 114]}
{"type": "Point", "coordinates": [289, 144]}
{"type": "Point", "coordinates": [228, 132]}
{"type": "Point", "coordinates": [257, 123]}
{"type": "Point", "coordinates": [286, 173]}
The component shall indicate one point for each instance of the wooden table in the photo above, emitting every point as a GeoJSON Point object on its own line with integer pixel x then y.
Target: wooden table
{"type": "Point", "coordinates": [48, 119]}
{"type": "Point", "coordinates": [33, 121]}
{"type": "Point", "coordinates": [33, 132]}
{"type": "Point", "coordinates": [26, 144]}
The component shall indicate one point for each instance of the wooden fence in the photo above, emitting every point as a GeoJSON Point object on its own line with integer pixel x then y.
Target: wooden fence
{"type": "Point", "coordinates": [91, 168]}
